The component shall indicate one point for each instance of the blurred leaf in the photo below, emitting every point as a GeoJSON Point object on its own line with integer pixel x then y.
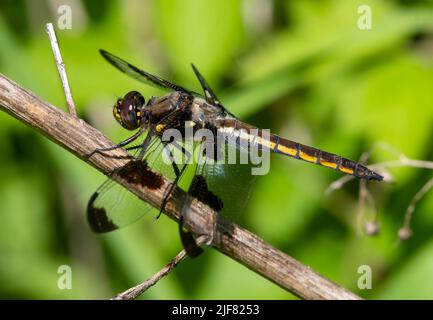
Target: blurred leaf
{"type": "Point", "coordinates": [285, 202]}
{"type": "Point", "coordinates": [413, 279]}
{"type": "Point", "coordinates": [211, 49]}
{"type": "Point", "coordinates": [399, 87]}
{"type": "Point", "coordinates": [219, 284]}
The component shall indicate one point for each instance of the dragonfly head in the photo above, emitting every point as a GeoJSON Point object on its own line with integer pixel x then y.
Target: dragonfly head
{"type": "Point", "coordinates": [129, 110]}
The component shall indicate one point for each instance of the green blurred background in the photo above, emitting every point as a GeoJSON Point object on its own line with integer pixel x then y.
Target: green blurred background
{"type": "Point", "coordinates": [301, 68]}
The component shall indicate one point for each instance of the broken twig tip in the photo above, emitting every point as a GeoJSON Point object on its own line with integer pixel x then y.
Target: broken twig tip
{"type": "Point", "coordinates": [61, 69]}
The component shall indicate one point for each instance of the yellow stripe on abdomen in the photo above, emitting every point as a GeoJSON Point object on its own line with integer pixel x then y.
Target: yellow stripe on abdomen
{"type": "Point", "coordinates": [307, 157]}
{"type": "Point", "coordinates": [328, 164]}
{"type": "Point", "coordinates": [287, 150]}
{"type": "Point", "coordinates": [346, 170]}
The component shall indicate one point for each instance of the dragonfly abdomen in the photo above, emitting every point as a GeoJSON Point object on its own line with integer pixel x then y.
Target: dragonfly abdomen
{"type": "Point", "coordinates": [313, 155]}
{"type": "Point", "coordinates": [274, 143]}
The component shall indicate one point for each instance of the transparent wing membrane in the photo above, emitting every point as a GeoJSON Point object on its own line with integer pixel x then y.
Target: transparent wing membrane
{"type": "Point", "coordinates": [229, 184]}
{"type": "Point", "coordinates": [112, 206]}
{"type": "Point", "coordinates": [141, 75]}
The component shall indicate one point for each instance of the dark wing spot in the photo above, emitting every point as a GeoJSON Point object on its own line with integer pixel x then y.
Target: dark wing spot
{"type": "Point", "coordinates": [97, 217]}
{"type": "Point", "coordinates": [200, 190]}
{"type": "Point", "coordinates": [138, 172]}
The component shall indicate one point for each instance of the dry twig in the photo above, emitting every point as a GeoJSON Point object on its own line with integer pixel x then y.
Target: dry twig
{"type": "Point", "coordinates": [61, 69]}
{"type": "Point", "coordinates": [137, 290]}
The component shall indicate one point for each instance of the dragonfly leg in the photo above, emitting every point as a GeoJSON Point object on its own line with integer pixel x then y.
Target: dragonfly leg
{"type": "Point", "coordinates": [119, 145]}
{"type": "Point", "coordinates": [170, 190]}
{"type": "Point", "coordinates": [145, 145]}
{"type": "Point", "coordinates": [197, 189]}
{"type": "Point", "coordinates": [132, 148]}
{"type": "Point", "coordinates": [187, 239]}
{"type": "Point", "coordinates": [178, 172]}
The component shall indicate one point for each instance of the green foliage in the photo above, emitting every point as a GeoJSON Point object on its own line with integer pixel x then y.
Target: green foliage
{"type": "Point", "coordinates": [305, 71]}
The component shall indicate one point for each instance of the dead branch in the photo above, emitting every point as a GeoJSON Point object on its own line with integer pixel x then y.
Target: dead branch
{"type": "Point", "coordinates": [137, 290]}
{"type": "Point", "coordinates": [61, 69]}
{"type": "Point", "coordinates": [81, 139]}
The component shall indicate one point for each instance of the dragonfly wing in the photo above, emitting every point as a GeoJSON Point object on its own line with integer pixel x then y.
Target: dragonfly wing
{"type": "Point", "coordinates": [207, 90]}
{"type": "Point", "coordinates": [232, 185]}
{"type": "Point", "coordinates": [112, 206]}
{"type": "Point", "coordinates": [141, 75]}
{"type": "Point", "coordinates": [223, 185]}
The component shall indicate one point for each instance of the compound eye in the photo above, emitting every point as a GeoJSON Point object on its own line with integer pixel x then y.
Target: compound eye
{"type": "Point", "coordinates": [117, 110]}
{"type": "Point", "coordinates": [139, 101]}
{"type": "Point", "coordinates": [136, 98]}
{"type": "Point", "coordinates": [127, 111]}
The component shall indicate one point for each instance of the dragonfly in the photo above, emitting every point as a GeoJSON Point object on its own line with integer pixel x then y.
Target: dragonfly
{"type": "Point", "coordinates": [112, 206]}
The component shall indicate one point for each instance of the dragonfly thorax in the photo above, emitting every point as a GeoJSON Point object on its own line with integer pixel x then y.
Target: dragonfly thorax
{"type": "Point", "coordinates": [129, 111]}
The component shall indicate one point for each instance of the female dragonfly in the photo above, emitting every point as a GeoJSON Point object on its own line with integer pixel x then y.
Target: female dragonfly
{"type": "Point", "coordinates": [184, 109]}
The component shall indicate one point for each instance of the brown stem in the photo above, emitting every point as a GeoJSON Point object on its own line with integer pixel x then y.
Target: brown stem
{"type": "Point", "coordinates": [61, 69]}
{"type": "Point", "coordinates": [139, 289]}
